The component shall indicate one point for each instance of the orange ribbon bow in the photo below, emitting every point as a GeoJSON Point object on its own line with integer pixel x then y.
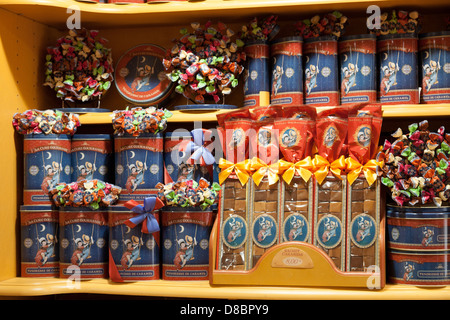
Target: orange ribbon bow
{"type": "Point", "coordinates": [241, 169]}
{"type": "Point", "coordinates": [301, 168]}
{"type": "Point", "coordinates": [261, 169]}
{"type": "Point", "coordinates": [322, 167]}
{"type": "Point", "coordinates": [355, 168]}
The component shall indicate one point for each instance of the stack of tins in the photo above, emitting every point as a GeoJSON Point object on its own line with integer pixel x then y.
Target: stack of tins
{"type": "Point", "coordinates": [418, 245]}
{"type": "Point", "coordinates": [185, 238]}
{"type": "Point", "coordinates": [139, 165]}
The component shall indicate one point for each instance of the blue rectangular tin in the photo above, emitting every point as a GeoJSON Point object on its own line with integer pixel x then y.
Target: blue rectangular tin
{"type": "Point", "coordinates": [134, 255]}
{"type": "Point", "coordinates": [83, 243]}
{"type": "Point", "coordinates": [139, 165]}
{"type": "Point", "coordinates": [39, 241]}
{"type": "Point", "coordinates": [92, 157]}
{"type": "Point", "coordinates": [257, 80]}
{"type": "Point", "coordinates": [47, 162]}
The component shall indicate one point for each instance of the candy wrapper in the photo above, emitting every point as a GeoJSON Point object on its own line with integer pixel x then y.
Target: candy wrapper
{"type": "Point", "coordinates": [45, 122]}
{"type": "Point", "coordinates": [333, 24]}
{"type": "Point", "coordinates": [85, 193]}
{"type": "Point", "coordinates": [79, 67]}
{"type": "Point", "coordinates": [205, 63]}
{"type": "Point", "coordinates": [264, 30]}
{"type": "Point", "coordinates": [138, 120]}
{"type": "Point", "coordinates": [398, 22]}
{"type": "Point", "coordinates": [189, 193]}
{"type": "Point", "coordinates": [416, 165]}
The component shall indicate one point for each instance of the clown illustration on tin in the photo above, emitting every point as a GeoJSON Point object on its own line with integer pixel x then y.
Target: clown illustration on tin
{"type": "Point", "coordinates": [46, 249]}
{"type": "Point", "coordinates": [428, 234]}
{"type": "Point", "coordinates": [132, 251]}
{"type": "Point", "coordinates": [363, 231]}
{"type": "Point", "coordinates": [389, 79]}
{"type": "Point", "coordinates": [185, 251]}
{"type": "Point", "coordinates": [329, 231]}
{"type": "Point", "coordinates": [264, 231]}
{"type": "Point", "coordinates": [82, 250]}
{"type": "Point", "coordinates": [430, 75]}
{"type": "Point", "coordinates": [349, 78]}
{"type": "Point", "coordinates": [296, 228]}
{"type": "Point", "coordinates": [235, 232]}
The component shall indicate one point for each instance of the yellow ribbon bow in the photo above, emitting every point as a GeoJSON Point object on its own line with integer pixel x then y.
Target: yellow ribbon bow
{"type": "Point", "coordinates": [241, 169]}
{"type": "Point", "coordinates": [355, 168]}
{"type": "Point", "coordinates": [301, 168]}
{"type": "Point", "coordinates": [322, 167]}
{"type": "Point", "coordinates": [261, 169]}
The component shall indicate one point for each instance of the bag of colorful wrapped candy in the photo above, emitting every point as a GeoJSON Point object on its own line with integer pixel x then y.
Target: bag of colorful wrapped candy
{"type": "Point", "coordinates": [138, 120]}
{"type": "Point", "coordinates": [45, 122]}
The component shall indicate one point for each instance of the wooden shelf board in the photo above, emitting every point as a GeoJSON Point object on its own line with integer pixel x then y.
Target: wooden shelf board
{"type": "Point", "coordinates": [202, 289]}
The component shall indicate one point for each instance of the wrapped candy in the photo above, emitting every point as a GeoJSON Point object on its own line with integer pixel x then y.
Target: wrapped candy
{"type": "Point", "coordinates": [138, 120]}
{"type": "Point", "coordinates": [205, 62]}
{"type": "Point", "coordinates": [85, 193]}
{"type": "Point", "coordinates": [332, 24]}
{"type": "Point", "coordinates": [416, 165]}
{"type": "Point", "coordinates": [398, 22]}
{"type": "Point", "coordinates": [46, 122]}
{"type": "Point", "coordinates": [188, 193]}
{"type": "Point", "coordinates": [79, 67]}
{"type": "Point", "coordinates": [264, 30]}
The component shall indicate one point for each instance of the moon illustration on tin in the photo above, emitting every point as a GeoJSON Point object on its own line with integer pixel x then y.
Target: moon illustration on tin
{"type": "Point", "coordinates": [128, 229]}
{"type": "Point", "coordinates": [345, 57]}
{"type": "Point", "coordinates": [82, 155]}
{"type": "Point", "coordinates": [385, 56]}
{"type": "Point", "coordinates": [43, 227]}
{"type": "Point", "coordinates": [426, 55]}
{"type": "Point", "coordinates": [49, 155]}
{"type": "Point", "coordinates": [132, 154]}
{"type": "Point", "coordinates": [181, 228]}
{"type": "Point", "coordinates": [307, 59]}
{"type": "Point", "coordinates": [143, 59]}
{"type": "Point", "coordinates": [78, 228]}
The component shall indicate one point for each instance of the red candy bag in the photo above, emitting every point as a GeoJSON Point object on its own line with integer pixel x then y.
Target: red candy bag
{"type": "Point", "coordinates": [296, 131]}
{"type": "Point", "coordinates": [331, 132]}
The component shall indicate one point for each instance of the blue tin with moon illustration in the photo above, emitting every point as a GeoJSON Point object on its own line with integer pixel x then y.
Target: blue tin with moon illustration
{"type": "Point", "coordinates": [287, 71]}
{"type": "Point", "coordinates": [357, 56]}
{"type": "Point", "coordinates": [47, 162]}
{"type": "Point", "coordinates": [134, 254]}
{"type": "Point", "coordinates": [257, 86]}
{"type": "Point", "coordinates": [83, 243]}
{"type": "Point", "coordinates": [92, 157]}
{"type": "Point", "coordinates": [185, 243]}
{"type": "Point", "coordinates": [398, 65]}
{"type": "Point", "coordinates": [39, 241]}
{"type": "Point", "coordinates": [139, 165]}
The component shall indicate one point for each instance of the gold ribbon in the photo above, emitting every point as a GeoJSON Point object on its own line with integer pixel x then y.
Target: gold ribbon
{"type": "Point", "coordinates": [301, 168]}
{"type": "Point", "coordinates": [322, 166]}
{"type": "Point", "coordinates": [355, 168]}
{"type": "Point", "coordinates": [261, 169]}
{"type": "Point", "coordinates": [241, 169]}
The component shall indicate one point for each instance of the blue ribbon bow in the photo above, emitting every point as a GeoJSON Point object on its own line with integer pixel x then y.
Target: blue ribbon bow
{"type": "Point", "coordinates": [198, 149]}
{"type": "Point", "coordinates": [145, 216]}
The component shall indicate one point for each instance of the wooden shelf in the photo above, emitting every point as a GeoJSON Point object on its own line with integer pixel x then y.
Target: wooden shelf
{"type": "Point", "coordinates": [202, 289]}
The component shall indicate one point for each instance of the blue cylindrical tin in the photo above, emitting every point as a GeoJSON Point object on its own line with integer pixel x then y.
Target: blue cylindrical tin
{"type": "Point", "coordinates": [185, 238]}
{"type": "Point", "coordinates": [434, 50]}
{"type": "Point", "coordinates": [175, 156]}
{"type": "Point", "coordinates": [92, 157]}
{"type": "Point", "coordinates": [357, 57]}
{"type": "Point", "coordinates": [83, 243]}
{"type": "Point", "coordinates": [139, 165]}
{"type": "Point", "coordinates": [257, 86]}
{"type": "Point", "coordinates": [39, 241]}
{"type": "Point", "coordinates": [418, 228]}
{"type": "Point", "coordinates": [321, 71]}
{"type": "Point", "coordinates": [47, 162]}
{"type": "Point", "coordinates": [431, 268]}
{"type": "Point", "coordinates": [397, 63]}
{"type": "Point", "coordinates": [135, 254]}
{"type": "Point", "coordinates": [287, 71]}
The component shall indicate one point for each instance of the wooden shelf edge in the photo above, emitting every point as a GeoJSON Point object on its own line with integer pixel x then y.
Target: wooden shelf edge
{"type": "Point", "coordinates": [22, 287]}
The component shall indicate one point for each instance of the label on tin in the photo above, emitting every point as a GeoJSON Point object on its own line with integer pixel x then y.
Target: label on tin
{"type": "Point", "coordinates": [321, 73]}
{"type": "Point", "coordinates": [139, 163]}
{"type": "Point", "coordinates": [329, 231]}
{"type": "Point", "coordinates": [398, 78]}
{"type": "Point", "coordinates": [47, 162]}
{"type": "Point", "coordinates": [256, 75]}
{"type": "Point", "coordinates": [435, 54]}
{"type": "Point", "coordinates": [287, 73]}
{"type": "Point", "coordinates": [140, 75]}
{"type": "Point", "coordinates": [296, 228]}
{"type": "Point", "coordinates": [91, 159]}
{"type": "Point", "coordinates": [358, 71]}
{"type": "Point", "coordinates": [363, 231]}
{"type": "Point", "coordinates": [135, 254]}
{"type": "Point", "coordinates": [39, 243]}
{"type": "Point", "coordinates": [264, 231]}
{"type": "Point", "coordinates": [84, 244]}
{"type": "Point", "coordinates": [185, 245]}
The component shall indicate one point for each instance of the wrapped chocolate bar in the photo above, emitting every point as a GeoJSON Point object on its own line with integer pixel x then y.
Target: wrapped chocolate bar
{"type": "Point", "coordinates": [416, 166]}
{"type": "Point", "coordinates": [296, 131]}
{"type": "Point", "coordinates": [330, 184]}
{"type": "Point", "coordinates": [85, 193]}
{"type": "Point", "coordinates": [205, 63]}
{"type": "Point", "coordinates": [363, 203]}
{"type": "Point", "coordinates": [79, 67]}
{"type": "Point", "coordinates": [138, 120]}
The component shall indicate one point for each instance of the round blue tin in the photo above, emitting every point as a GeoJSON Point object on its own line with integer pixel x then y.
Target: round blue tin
{"type": "Point", "coordinates": [257, 74]}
